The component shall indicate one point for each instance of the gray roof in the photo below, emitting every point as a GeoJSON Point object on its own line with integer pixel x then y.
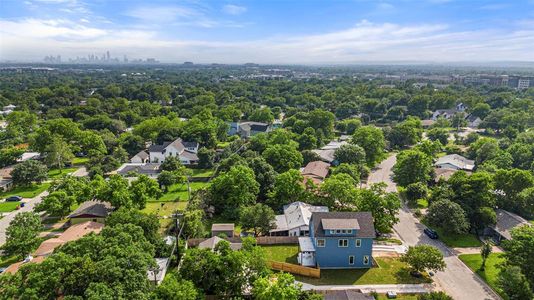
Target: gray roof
{"type": "Point", "coordinates": [179, 144]}
{"type": "Point", "coordinates": [340, 224]}
{"type": "Point", "coordinates": [147, 168]}
{"type": "Point", "coordinates": [190, 144]}
{"type": "Point", "coordinates": [189, 155]}
{"type": "Point", "coordinates": [347, 295]}
{"type": "Point", "coordinates": [295, 215]}
{"type": "Point", "coordinates": [325, 155]}
{"type": "Point", "coordinates": [142, 154]}
{"type": "Point", "coordinates": [222, 226]}
{"type": "Point", "coordinates": [364, 219]}
{"type": "Point", "coordinates": [213, 241]}
{"type": "Point", "coordinates": [506, 221]}
{"type": "Point", "coordinates": [456, 160]}
{"type": "Point", "coordinates": [92, 208]}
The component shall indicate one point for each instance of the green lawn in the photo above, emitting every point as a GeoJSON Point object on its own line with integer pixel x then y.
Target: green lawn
{"type": "Point", "coordinates": [57, 173]}
{"type": "Point", "coordinates": [26, 192]}
{"type": "Point", "coordinates": [458, 240]}
{"type": "Point", "coordinates": [389, 271]}
{"type": "Point", "coordinates": [422, 203]}
{"type": "Point", "coordinates": [8, 206]}
{"type": "Point", "coordinates": [490, 274]}
{"type": "Point", "coordinates": [8, 260]}
{"type": "Point", "coordinates": [223, 145]}
{"type": "Point", "coordinates": [78, 161]}
{"type": "Point", "coordinates": [179, 191]}
{"type": "Point", "coordinates": [164, 209]}
{"type": "Point", "coordinates": [282, 253]}
{"type": "Point", "coordinates": [389, 240]}
{"type": "Point", "coordinates": [201, 172]}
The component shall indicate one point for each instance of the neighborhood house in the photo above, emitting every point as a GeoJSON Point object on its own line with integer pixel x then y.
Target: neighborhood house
{"type": "Point", "coordinates": [94, 211]}
{"type": "Point", "coordinates": [338, 240]}
{"type": "Point", "coordinates": [316, 171]}
{"type": "Point", "coordinates": [185, 151]}
{"type": "Point", "coordinates": [296, 219]}
{"type": "Point", "coordinates": [455, 162]}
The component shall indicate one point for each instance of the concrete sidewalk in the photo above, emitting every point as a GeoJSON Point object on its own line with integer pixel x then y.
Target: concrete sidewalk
{"type": "Point", "coordinates": [379, 288]}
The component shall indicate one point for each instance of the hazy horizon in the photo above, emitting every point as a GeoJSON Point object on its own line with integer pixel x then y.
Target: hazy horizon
{"type": "Point", "coordinates": [271, 32]}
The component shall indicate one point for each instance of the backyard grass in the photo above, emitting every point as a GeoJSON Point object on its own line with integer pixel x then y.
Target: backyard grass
{"type": "Point", "coordinates": [178, 192]}
{"type": "Point", "coordinates": [491, 272]}
{"type": "Point", "coordinates": [201, 172]}
{"type": "Point", "coordinates": [422, 203]}
{"type": "Point", "coordinates": [282, 253]}
{"type": "Point", "coordinates": [389, 271]}
{"type": "Point", "coordinates": [8, 206]}
{"type": "Point", "coordinates": [78, 161]}
{"type": "Point", "coordinates": [26, 191]}
{"type": "Point", "coordinates": [57, 173]}
{"type": "Point", "coordinates": [164, 209]}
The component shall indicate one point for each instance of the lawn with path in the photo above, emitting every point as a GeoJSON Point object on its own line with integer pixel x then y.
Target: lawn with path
{"type": "Point", "coordinates": [164, 209]}
{"type": "Point", "coordinates": [389, 271]}
{"type": "Point", "coordinates": [455, 240]}
{"type": "Point", "coordinates": [26, 191]}
{"type": "Point", "coordinates": [490, 273]}
{"type": "Point", "coordinates": [202, 172]}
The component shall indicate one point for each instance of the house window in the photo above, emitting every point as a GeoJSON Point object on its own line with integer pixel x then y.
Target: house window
{"type": "Point", "coordinates": [338, 231]}
{"type": "Point", "coordinates": [351, 260]}
{"type": "Point", "coordinates": [320, 242]}
{"type": "Point", "coordinates": [343, 243]}
{"type": "Point", "coordinates": [349, 231]}
{"type": "Point", "coordinates": [332, 231]}
{"type": "Point", "coordinates": [358, 243]}
{"type": "Point", "coordinates": [366, 259]}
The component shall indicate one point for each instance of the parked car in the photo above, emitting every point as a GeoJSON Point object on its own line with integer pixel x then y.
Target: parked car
{"type": "Point", "coordinates": [14, 199]}
{"type": "Point", "coordinates": [2, 270]}
{"type": "Point", "coordinates": [431, 233]}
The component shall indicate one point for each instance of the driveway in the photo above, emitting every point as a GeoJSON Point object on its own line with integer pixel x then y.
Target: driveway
{"type": "Point", "coordinates": [457, 279]}
{"type": "Point", "coordinates": [29, 205]}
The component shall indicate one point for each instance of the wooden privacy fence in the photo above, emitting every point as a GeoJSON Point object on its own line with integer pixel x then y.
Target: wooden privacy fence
{"type": "Point", "coordinates": [261, 240]}
{"type": "Point", "coordinates": [294, 269]}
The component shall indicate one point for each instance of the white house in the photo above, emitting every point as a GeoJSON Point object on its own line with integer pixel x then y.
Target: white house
{"type": "Point", "coordinates": [140, 158]}
{"type": "Point", "coordinates": [185, 151]}
{"type": "Point", "coordinates": [448, 113]}
{"type": "Point", "coordinates": [473, 121]}
{"type": "Point", "coordinates": [455, 162]}
{"type": "Point", "coordinates": [296, 219]}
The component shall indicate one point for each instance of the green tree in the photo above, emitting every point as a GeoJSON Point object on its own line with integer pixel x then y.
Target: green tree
{"type": "Point", "coordinates": [172, 163]}
{"type": "Point", "coordinates": [287, 188]}
{"type": "Point", "coordinates": [58, 153]}
{"type": "Point", "coordinates": [416, 191]}
{"type": "Point", "coordinates": [371, 139]}
{"type": "Point", "coordinates": [406, 133]}
{"type": "Point", "coordinates": [174, 288]}
{"type": "Point", "coordinates": [143, 189]}
{"type": "Point", "coordinates": [264, 174]}
{"type": "Point", "coordinates": [168, 178]}
{"type": "Point", "coordinates": [434, 296]}
{"type": "Point", "coordinates": [339, 191]}
{"type": "Point", "coordinates": [514, 284]}
{"type": "Point", "coordinates": [9, 156]}
{"type": "Point", "coordinates": [22, 234]}
{"type": "Point", "coordinates": [382, 205]}
{"type": "Point", "coordinates": [116, 191]}
{"type": "Point", "coordinates": [282, 286]}
{"type": "Point", "coordinates": [424, 257]}
{"type": "Point", "coordinates": [349, 169]}
{"type": "Point", "coordinates": [485, 251]}
{"type": "Point", "coordinates": [258, 217]}
{"type": "Point", "coordinates": [206, 157]}
{"type": "Point", "coordinates": [234, 189]}
{"type": "Point", "coordinates": [283, 157]}
{"type": "Point", "coordinates": [28, 172]}
{"type": "Point", "coordinates": [194, 223]}
{"type": "Point", "coordinates": [57, 203]}
{"type": "Point", "coordinates": [264, 115]}
{"type": "Point", "coordinates": [520, 251]}
{"type": "Point", "coordinates": [438, 134]}
{"type": "Point", "coordinates": [449, 216]}
{"type": "Point", "coordinates": [351, 154]}
{"type": "Point", "coordinates": [412, 166]}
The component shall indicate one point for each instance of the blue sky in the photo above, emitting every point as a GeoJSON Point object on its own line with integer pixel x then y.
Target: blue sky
{"type": "Point", "coordinates": [263, 31]}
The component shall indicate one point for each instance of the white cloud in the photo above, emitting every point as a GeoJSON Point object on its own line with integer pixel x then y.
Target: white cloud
{"type": "Point", "coordinates": [162, 14]}
{"type": "Point", "coordinates": [232, 9]}
{"type": "Point", "coordinates": [363, 42]}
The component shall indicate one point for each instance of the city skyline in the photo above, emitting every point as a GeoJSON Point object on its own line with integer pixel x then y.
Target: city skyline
{"type": "Point", "coordinates": [270, 32]}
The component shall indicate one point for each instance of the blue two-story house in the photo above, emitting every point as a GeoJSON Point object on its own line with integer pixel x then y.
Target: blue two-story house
{"type": "Point", "coordinates": [338, 240]}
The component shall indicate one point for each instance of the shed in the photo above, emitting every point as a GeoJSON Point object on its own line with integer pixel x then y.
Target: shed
{"type": "Point", "coordinates": [222, 228]}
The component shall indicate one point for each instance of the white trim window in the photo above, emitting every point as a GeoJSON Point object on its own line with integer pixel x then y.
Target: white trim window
{"type": "Point", "coordinates": [342, 243]}
{"type": "Point", "coordinates": [366, 259]}
{"type": "Point", "coordinates": [358, 243]}
{"type": "Point", "coordinates": [351, 259]}
{"type": "Point", "coordinates": [321, 242]}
